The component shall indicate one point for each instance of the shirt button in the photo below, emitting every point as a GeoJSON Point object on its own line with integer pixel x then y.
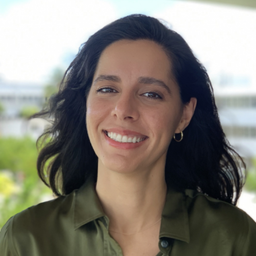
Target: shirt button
{"type": "Point", "coordinates": [164, 243]}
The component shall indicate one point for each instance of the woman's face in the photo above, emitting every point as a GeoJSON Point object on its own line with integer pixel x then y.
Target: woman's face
{"type": "Point", "coordinates": [134, 107]}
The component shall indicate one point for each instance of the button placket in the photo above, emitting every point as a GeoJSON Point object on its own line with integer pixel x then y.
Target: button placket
{"type": "Point", "coordinates": [164, 244]}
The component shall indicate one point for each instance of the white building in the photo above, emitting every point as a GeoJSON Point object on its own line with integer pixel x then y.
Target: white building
{"type": "Point", "coordinates": [235, 98]}
{"type": "Point", "coordinates": [237, 111]}
{"type": "Point", "coordinates": [15, 96]}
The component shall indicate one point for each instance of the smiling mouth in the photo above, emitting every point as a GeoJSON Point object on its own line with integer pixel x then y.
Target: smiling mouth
{"type": "Point", "coordinates": [125, 138]}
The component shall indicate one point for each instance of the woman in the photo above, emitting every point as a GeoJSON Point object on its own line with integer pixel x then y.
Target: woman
{"type": "Point", "coordinates": [138, 158]}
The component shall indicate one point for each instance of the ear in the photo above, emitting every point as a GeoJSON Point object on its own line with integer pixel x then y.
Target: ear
{"type": "Point", "coordinates": [188, 112]}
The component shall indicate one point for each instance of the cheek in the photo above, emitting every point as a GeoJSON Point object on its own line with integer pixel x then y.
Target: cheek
{"type": "Point", "coordinates": [96, 113]}
{"type": "Point", "coordinates": [94, 110]}
{"type": "Point", "coordinates": [97, 106]}
{"type": "Point", "coordinates": [93, 120]}
{"type": "Point", "coordinates": [165, 123]}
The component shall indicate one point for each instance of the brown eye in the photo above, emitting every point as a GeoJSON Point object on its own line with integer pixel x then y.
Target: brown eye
{"type": "Point", "coordinates": [152, 95]}
{"type": "Point", "coordinates": [106, 90]}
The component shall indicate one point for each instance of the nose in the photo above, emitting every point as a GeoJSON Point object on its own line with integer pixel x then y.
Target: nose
{"type": "Point", "coordinates": [126, 108]}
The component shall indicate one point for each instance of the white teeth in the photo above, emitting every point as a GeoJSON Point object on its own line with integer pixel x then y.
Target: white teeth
{"type": "Point", "coordinates": [124, 139]}
{"type": "Point", "coordinates": [119, 138]}
{"type": "Point", "coordinates": [112, 135]}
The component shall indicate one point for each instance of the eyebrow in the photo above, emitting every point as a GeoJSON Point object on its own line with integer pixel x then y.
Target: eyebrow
{"type": "Point", "coordinates": [151, 80]}
{"type": "Point", "coordinates": [107, 78]}
{"type": "Point", "coordinates": [142, 80]}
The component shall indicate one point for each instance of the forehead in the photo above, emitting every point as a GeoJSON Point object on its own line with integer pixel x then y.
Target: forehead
{"type": "Point", "coordinates": [137, 57]}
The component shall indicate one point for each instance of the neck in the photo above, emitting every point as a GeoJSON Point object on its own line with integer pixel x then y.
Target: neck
{"type": "Point", "coordinates": [133, 202]}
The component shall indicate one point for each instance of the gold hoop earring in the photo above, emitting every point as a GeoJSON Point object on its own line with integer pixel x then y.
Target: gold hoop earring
{"type": "Point", "coordinates": [181, 137]}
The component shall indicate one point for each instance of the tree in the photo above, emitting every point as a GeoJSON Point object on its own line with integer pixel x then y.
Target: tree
{"type": "Point", "coordinates": [22, 186]}
{"type": "Point", "coordinates": [1, 108]}
{"type": "Point", "coordinates": [52, 86]}
{"type": "Point", "coordinates": [28, 111]}
{"type": "Point", "coordinates": [18, 155]}
{"type": "Point", "coordinates": [250, 183]}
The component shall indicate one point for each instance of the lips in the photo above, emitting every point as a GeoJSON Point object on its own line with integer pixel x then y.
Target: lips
{"type": "Point", "coordinates": [127, 138]}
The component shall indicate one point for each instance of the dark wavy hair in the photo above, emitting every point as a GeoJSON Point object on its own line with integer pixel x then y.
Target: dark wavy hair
{"type": "Point", "coordinates": [202, 161]}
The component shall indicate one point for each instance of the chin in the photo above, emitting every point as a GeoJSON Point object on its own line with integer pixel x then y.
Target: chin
{"type": "Point", "coordinates": [118, 166]}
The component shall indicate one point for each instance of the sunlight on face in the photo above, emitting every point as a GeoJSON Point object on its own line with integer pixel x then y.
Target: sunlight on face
{"type": "Point", "coordinates": [133, 107]}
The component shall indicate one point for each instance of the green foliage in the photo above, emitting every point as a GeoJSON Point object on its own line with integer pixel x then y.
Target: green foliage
{"type": "Point", "coordinates": [29, 193]}
{"type": "Point", "coordinates": [1, 108]}
{"type": "Point", "coordinates": [28, 111]}
{"type": "Point", "coordinates": [49, 90]}
{"type": "Point", "coordinates": [7, 185]}
{"type": "Point", "coordinates": [22, 187]}
{"type": "Point", "coordinates": [18, 155]}
{"type": "Point", "coordinates": [53, 85]}
{"type": "Point", "coordinates": [250, 183]}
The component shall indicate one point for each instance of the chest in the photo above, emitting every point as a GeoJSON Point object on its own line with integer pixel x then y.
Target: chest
{"type": "Point", "coordinates": [142, 243]}
{"type": "Point", "coordinates": [94, 239]}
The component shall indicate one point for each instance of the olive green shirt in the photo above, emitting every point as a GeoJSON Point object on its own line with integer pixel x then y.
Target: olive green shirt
{"type": "Point", "coordinates": [192, 224]}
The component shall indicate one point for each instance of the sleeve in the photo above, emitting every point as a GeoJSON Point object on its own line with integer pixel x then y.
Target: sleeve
{"type": "Point", "coordinates": [248, 239]}
{"type": "Point", "coordinates": [6, 244]}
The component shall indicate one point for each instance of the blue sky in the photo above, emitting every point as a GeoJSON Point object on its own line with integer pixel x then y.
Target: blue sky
{"type": "Point", "coordinates": [6, 4]}
{"type": "Point", "coordinates": [39, 35]}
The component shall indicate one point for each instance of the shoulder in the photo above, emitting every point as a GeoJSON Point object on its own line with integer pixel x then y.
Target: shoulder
{"type": "Point", "coordinates": [37, 221]}
{"type": "Point", "coordinates": [215, 208]}
{"type": "Point", "coordinates": [223, 220]}
{"type": "Point", "coordinates": [46, 212]}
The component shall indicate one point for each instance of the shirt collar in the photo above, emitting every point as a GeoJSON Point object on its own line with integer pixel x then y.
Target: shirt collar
{"type": "Point", "coordinates": [174, 222]}
{"type": "Point", "coordinates": [87, 204]}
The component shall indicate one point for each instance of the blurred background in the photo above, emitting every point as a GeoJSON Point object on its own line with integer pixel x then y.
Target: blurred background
{"type": "Point", "coordinates": [39, 38]}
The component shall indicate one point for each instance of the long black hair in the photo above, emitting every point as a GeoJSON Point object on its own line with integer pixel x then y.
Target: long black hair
{"type": "Point", "coordinates": [203, 160]}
